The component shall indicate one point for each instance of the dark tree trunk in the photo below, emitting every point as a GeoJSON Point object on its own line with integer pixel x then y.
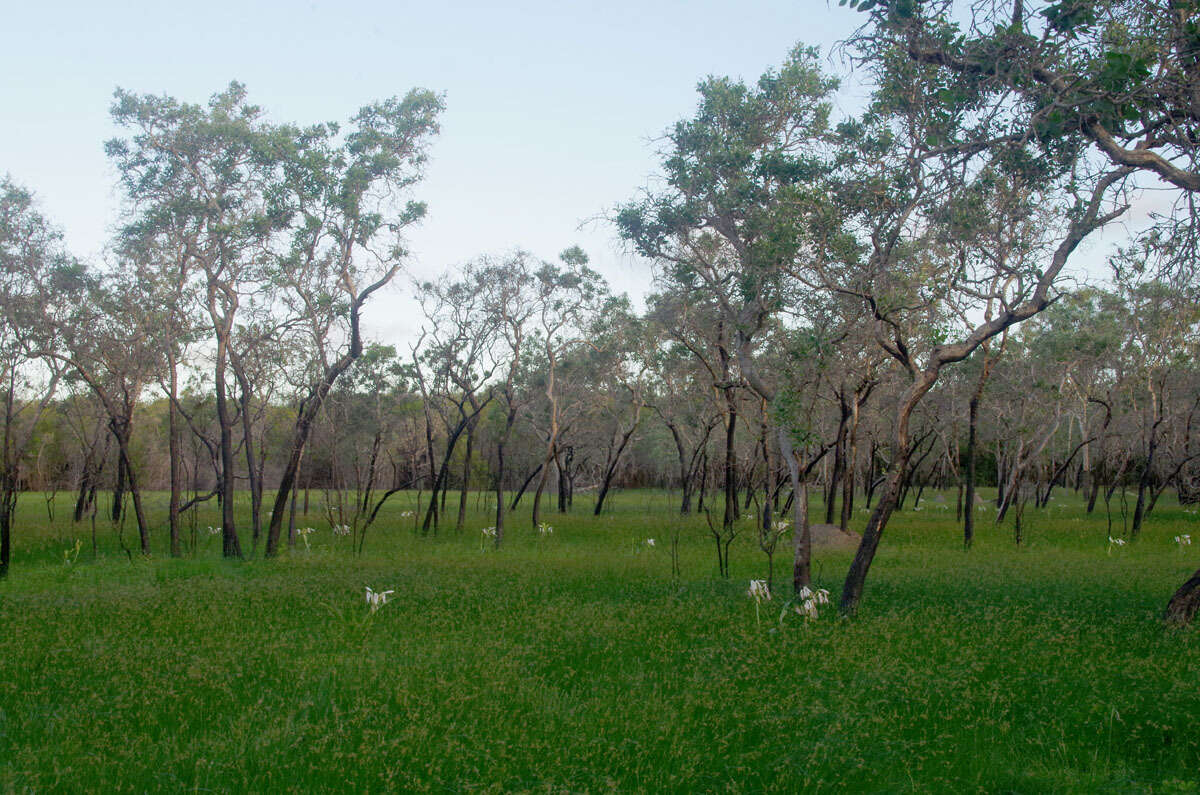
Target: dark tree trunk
{"type": "Point", "coordinates": [851, 465]}
{"type": "Point", "coordinates": [231, 546]}
{"type": "Point", "coordinates": [1139, 511]}
{"type": "Point", "coordinates": [500, 506]}
{"type": "Point", "coordinates": [521, 491]}
{"type": "Point", "coordinates": [176, 463]}
{"type": "Point", "coordinates": [118, 496]}
{"type": "Point", "coordinates": [856, 577]}
{"type": "Point", "coordinates": [466, 479]}
{"type": "Point", "coordinates": [969, 480]}
{"type": "Point", "coordinates": [731, 506]}
{"type": "Point", "coordinates": [122, 435]}
{"type": "Point", "coordinates": [8, 507]}
{"type": "Point", "coordinates": [610, 471]}
{"type": "Point", "coordinates": [1184, 604]}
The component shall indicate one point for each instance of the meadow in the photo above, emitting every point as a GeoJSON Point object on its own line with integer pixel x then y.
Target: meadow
{"type": "Point", "coordinates": [576, 662]}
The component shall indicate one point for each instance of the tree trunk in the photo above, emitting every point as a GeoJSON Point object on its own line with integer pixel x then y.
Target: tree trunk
{"type": "Point", "coordinates": [1143, 484]}
{"type": "Point", "coordinates": [969, 479]}
{"type": "Point", "coordinates": [856, 577]}
{"type": "Point", "coordinates": [8, 508]}
{"type": "Point", "coordinates": [118, 496]}
{"type": "Point", "coordinates": [461, 522]}
{"type": "Point", "coordinates": [231, 546]}
{"type": "Point", "coordinates": [176, 464]}
{"type": "Point", "coordinates": [801, 533]}
{"type": "Point", "coordinates": [135, 493]}
{"type": "Point", "coordinates": [851, 465]}
{"type": "Point", "coordinates": [1184, 604]}
{"type": "Point", "coordinates": [730, 460]}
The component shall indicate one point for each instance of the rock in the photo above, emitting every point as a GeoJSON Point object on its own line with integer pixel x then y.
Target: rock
{"type": "Point", "coordinates": [830, 536]}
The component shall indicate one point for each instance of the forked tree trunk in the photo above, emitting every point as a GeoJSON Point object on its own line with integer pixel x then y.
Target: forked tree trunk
{"type": "Point", "coordinates": [801, 533]}
{"type": "Point", "coordinates": [856, 577]}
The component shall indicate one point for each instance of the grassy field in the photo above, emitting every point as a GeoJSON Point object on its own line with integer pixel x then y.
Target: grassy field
{"type": "Point", "coordinates": [574, 662]}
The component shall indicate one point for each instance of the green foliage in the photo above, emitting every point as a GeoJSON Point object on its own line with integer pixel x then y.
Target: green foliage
{"type": "Point", "coordinates": [574, 662]}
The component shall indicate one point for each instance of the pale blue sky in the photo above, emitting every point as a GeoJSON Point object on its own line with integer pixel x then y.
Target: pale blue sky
{"type": "Point", "coordinates": [551, 106]}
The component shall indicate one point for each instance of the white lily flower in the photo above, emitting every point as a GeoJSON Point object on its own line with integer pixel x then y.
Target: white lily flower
{"type": "Point", "coordinates": [377, 599]}
{"type": "Point", "coordinates": [759, 591]}
{"type": "Point", "coordinates": [807, 608]}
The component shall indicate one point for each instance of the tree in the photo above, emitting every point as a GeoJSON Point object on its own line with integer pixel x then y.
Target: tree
{"type": "Point", "coordinates": [1114, 77]}
{"type": "Point", "coordinates": [346, 240]}
{"type": "Point", "coordinates": [37, 281]}
{"type": "Point", "coordinates": [742, 178]}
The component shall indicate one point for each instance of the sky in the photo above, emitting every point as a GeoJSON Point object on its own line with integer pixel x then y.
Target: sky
{"type": "Point", "coordinates": [553, 109]}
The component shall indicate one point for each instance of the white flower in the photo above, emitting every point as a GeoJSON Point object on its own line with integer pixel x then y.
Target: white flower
{"type": "Point", "coordinates": [809, 603]}
{"type": "Point", "coordinates": [303, 532]}
{"type": "Point", "coordinates": [1117, 541]}
{"type": "Point", "coordinates": [1183, 540]}
{"type": "Point", "coordinates": [375, 600]}
{"type": "Point", "coordinates": [490, 532]}
{"type": "Point", "coordinates": [545, 529]}
{"type": "Point", "coordinates": [406, 514]}
{"type": "Point", "coordinates": [780, 526]}
{"type": "Point", "coordinates": [759, 591]}
{"type": "Point", "coordinates": [341, 529]}
{"type": "Point", "coordinates": [649, 542]}
{"type": "Point", "coordinates": [807, 609]}
{"type": "Point", "coordinates": [212, 531]}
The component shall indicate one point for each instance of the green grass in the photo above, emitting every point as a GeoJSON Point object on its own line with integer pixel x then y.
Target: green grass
{"type": "Point", "coordinates": [575, 663]}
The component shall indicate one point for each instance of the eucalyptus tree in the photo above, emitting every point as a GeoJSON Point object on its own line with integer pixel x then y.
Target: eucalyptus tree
{"type": "Point", "coordinates": [571, 298]}
{"type": "Point", "coordinates": [1163, 338]}
{"type": "Point", "coordinates": [158, 256]}
{"type": "Point", "coordinates": [682, 394]}
{"type": "Point", "coordinates": [741, 199]}
{"type": "Point", "coordinates": [459, 359]}
{"type": "Point", "coordinates": [372, 437]}
{"type": "Point", "coordinates": [512, 297]}
{"type": "Point", "coordinates": [110, 339]}
{"type": "Point", "coordinates": [38, 282]}
{"type": "Point", "coordinates": [347, 198]}
{"type": "Point", "coordinates": [1110, 82]}
{"type": "Point", "coordinates": [201, 174]}
{"type": "Point", "coordinates": [621, 365]}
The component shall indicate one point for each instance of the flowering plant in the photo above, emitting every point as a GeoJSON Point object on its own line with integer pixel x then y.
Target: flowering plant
{"type": "Point", "coordinates": [377, 599]}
